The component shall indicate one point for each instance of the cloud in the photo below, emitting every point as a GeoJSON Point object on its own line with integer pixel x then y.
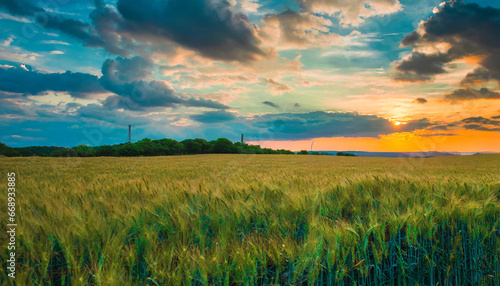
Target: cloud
{"type": "Point", "coordinates": [248, 6]}
{"type": "Point", "coordinates": [470, 94]}
{"type": "Point", "coordinates": [20, 80]}
{"type": "Point", "coordinates": [303, 126]}
{"type": "Point", "coordinates": [291, 30]}
{"type": "Point", "coordinates": [27, 138]}
{"type": "Point", "coordinates": [297, 126]}
{"type": "Point", "coordinates": [210, 27]}
{"type": "Point", "coordinates": [437, 134]}
{"type": "Point", "coordinates": [57, 53]}
{"type": "Point", "coordinates": [480, 123]}
{"type": "Point", "coordinates": [124, 77]}
{"type": "Point", "coordinates": [71, 27]}
{"type": "Point", "coordinates": [20, 57]}
{"type": "Point", "coordinates": [20, 7]}
{"type": "Point", "coordinates": [269, 103]}
{"type": "Point", "coordinates": [203, 80]}
{"type": "Point", "coordinates": [100, 112]}
{"type": "Point", "coordinates": [13, 18]}
{"type": "Point", "coordinates": [124, 70]}
{"type": "Point", "coordinates": [140, 95]}
{"type": "Point", "coordinates": [472, 123]}
{"type": "Point", "coordinates": [424, 64]}
{"type": "Point", "coordinates": [107, 22]}
{"type": "Point", "coordinates": [7, 41]}
{"type": "Point", "coordinates": [353, 12]}
{"type": "Point", "coordinates": [416, 124]}
{"type": "Point", "coordinates": [54, 42]}
{"type": "Point", "coordinates": [216, 29]}
{"type": "Point", "coordinates": [275, 87]}
{"type": "Point", "coordinates": [213, 117]}
{"type": "Point", "coordinates": [420, 100]}
{"type": "Point", "coordinates": [457, 31]}
{"type": "Point", "coordinates": [45, 18]}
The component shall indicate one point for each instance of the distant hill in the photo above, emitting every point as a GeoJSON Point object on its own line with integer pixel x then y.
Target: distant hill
{"type": "Point", "coordinates": [405, 154]}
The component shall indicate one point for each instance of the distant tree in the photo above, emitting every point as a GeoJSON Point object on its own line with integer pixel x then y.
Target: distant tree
{"type": "Point", "coordinates": [127, 150]}
{"type": "Point", "coordinates": [61, 152]}
{"type": "Point", "coordinates": [191, 146]}
{"type": "Point", "coordinates": [204, 144]}
{"type": "Point", "coordinates": [8, 151]}
{"type": "Point", "coordinates": [314, 153]}
{"type": "Point", "coordinates": [303, 152]}
{"type": "Point", "coordinates": [146, 147]}
{"type": "Point", "coordinates": [106, 150]}
{"type": "Point", "coordinates": [283, 151]}
{"type": "Point", "coordinates": [222, 145]}
{"type": "Point", "coordinates": [84, 151]}
{"type": "Point", "coordinates": [169, 147]}
{"type": "Point", "coordinates": [344, 154]}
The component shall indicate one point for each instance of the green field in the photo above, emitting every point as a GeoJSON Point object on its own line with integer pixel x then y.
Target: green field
{"type": "Point", "coordinates": [255, 220]}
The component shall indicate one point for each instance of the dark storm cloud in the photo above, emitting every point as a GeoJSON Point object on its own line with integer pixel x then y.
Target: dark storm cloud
{"type": "Point", "coordinates": [213, 117]}
{"type": "Point", "coordinates": [472, 123]}
{"type": "Point", "coordinates": [207, 26]}
{"type": "Point", "coordinates": [74, 28]}
{"type": "Point", "coordinates": [410, 39]}
{"type": "Point", "coordinates": [411, 77]}
{"type": "Point", "coordinates": [124, 78]}
{"type": "Point", "coordinates": [99, 112]}
{"type": "Point", "coordinates": [106, 22]}
{"type": "Point", "coordinates": [416, 124]}
{"type": "Point", "coordinates": [469, 30]}
{"type": "Point", "coordinates": [302, 126]}
{"type": "Point", "coordinates": [71, 27]}
{"type": "Point", "coordinates": [470, 93]}
{"type": "Point", "coordinates": [480, 120]}
{"type": "Point", "coordinates": [140, 95]}
{"type": "Point", "coordinates": [31, 82]}
{"type": "Point", "coordinates": [423, 64]}
{"type": "Point", "coordinates": [102, 31]}
{"type": "Point", "coordinates": [477, 77]}
{"type": "Point", "coordinates": [420, 100]}
{"type": "Point", "coordinates": [211, 27]}
{"type": "Point", "coordinates": [127, 70]}
{"type": "Point", "coordinates": [20, 7]}
{"type": "Point", "coordinates": [297, 126]}
{"type": "Point", "coordinates": [269, 103]}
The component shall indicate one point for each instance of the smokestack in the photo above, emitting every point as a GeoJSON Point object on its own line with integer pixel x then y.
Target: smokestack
{"type": "Point", "coordinates": [242, 138]}
{"type": "Point", "coordinates": [129, 133]}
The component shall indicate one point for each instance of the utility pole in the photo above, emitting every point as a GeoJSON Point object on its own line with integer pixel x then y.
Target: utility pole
{"type": "Point", "coordinates": [129, 133]}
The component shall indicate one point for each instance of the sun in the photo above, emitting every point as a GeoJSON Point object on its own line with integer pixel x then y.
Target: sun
{"type": "Point", "coordinates": [398, 123]}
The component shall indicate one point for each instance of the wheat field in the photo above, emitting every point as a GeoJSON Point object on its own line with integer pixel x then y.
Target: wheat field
{"type": "Point", "coordinates": [255, 220]}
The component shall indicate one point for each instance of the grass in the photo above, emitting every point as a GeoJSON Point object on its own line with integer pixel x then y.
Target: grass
{"type": "Point", "coordinates": [256, 220]}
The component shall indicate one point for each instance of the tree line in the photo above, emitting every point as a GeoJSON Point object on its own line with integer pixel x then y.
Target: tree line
{"type": "Point", "coordinates": [144, 147]}
{"type": "Point", "coordinates": [148, 147]}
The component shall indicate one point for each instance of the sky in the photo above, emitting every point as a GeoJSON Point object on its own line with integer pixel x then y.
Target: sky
{"type": "Point", "coordinates": [358, 75]}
